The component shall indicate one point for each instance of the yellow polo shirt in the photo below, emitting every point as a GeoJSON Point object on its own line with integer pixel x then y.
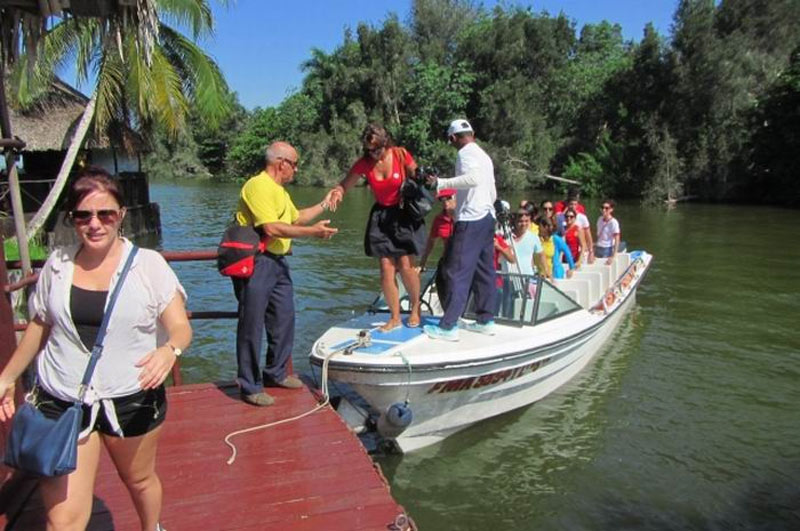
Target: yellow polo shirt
{"type": "Point", "coordinates": [261, 201]}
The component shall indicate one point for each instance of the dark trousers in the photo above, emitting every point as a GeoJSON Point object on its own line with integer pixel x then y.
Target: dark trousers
{"type": "Point", "coordinates": [266, 301]}
{"type": "Point", "coordinates": [470, 266]}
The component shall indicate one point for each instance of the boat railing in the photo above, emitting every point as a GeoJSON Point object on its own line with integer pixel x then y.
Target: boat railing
{"type": "Point", "coordinates": [30, 280]}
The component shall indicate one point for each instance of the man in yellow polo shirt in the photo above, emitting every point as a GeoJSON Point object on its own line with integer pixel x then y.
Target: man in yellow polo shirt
{"type": "Point", "coordinates": [266, 299]}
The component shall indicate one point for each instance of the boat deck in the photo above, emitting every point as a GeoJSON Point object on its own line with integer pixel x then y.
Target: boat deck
{"type": "Point", "coordinates": [309, 474]}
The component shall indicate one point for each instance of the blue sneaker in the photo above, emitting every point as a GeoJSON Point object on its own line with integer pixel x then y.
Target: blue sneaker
{"type": "Point", "coordinates": [488, 328]}
{"type": "Point", "coordinates": [437, 332]}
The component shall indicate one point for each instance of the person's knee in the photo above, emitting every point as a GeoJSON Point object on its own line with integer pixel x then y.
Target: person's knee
{"type": "Point", "coordinates": [140, 481]}
{"type": "Point", "coordinates": [69, 516]}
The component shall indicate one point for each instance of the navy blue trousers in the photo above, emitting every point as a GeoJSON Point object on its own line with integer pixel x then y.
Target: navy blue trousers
{"type": "Point", "coordinates": [266, 301]}
{"type": "Point", "coordinates": [470, 267]}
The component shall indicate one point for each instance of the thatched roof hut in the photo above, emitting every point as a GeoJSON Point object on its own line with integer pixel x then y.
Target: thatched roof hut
{"type": "Point", "coordinates": [51, 123]}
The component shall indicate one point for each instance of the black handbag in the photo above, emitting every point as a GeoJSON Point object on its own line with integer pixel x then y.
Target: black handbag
{"type": "Point", "coordinates": [44, 447]}
{"type": "Point", "coordinates": [416, 199]}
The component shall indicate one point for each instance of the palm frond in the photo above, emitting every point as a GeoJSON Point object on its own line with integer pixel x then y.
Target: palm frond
{"type": "Point", "coordinates": [196, 14]}
{"type": "Point", "coordinates": [202, 79]}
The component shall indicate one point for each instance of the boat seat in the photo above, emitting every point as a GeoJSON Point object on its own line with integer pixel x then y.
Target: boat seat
{"type": "Point", "coordinates": [622, 261]}
{"type": "Point", "coordinates": [594, 280]}
{"type": "Point", "coordinates": [600, 267]}
{"type": "Point", "coordinates": [577, 289]}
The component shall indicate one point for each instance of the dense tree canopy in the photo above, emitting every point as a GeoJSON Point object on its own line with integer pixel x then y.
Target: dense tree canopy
{"type": "Point", "coordinates": [709, 111]}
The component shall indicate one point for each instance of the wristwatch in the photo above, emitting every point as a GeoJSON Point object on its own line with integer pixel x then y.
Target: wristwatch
{"type": "Point", "coordinates": [176, 350]}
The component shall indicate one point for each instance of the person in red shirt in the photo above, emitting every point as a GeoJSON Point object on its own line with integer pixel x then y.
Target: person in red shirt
{"type": "Point", "coordinates": [441, 228]}
{"type": "Point", "coordinates": [391, 236]}
{"type": "Point", "coordinates": [573, 196]}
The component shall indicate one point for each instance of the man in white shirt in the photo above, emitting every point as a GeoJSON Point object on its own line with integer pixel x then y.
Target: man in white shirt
{"type": "Point", "coordinates": [470, 250]}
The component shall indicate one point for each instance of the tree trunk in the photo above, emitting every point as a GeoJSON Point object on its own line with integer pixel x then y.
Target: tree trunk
{"type": "Point", "coordinates": [69, 159]}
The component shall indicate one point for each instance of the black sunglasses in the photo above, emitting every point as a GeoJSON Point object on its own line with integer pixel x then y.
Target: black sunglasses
{"type": "Point", "coordinates": [292, 163]}
{"type": "Point", "coordinates": [106, 216]}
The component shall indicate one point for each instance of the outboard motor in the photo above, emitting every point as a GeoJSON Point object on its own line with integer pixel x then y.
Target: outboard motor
{"type": "Point", "coordinates": [395, 420]}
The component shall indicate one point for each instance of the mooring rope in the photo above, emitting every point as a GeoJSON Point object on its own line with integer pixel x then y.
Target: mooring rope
{"type": "Point", "coordinates": [321, 405]}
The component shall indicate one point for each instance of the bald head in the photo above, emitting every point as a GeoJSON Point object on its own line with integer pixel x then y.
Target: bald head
{"type": "Point", "coordinates": [280, 150]}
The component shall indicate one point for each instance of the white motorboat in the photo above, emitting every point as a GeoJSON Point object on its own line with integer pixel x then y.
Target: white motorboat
{"type": "Point", "coordinates": [424, 389]}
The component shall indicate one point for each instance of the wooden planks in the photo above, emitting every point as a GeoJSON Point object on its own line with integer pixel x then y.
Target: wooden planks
{"type": "Point", "coordinates": [312, 473]}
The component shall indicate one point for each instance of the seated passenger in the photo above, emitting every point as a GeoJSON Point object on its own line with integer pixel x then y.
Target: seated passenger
{"type": "Point", "coordinates": [608, 233]}
{"type": "Point", "coordinates": [554, 248]}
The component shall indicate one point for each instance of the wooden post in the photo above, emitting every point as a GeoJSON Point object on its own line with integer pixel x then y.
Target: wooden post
{"type": "Point", "coordinates": [13, 180]}
{"type": "Point", "coordinates": [8, 341]}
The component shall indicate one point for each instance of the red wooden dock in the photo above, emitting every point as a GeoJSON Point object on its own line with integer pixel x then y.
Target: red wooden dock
{"type": "Point", "coordinates": [312, 473]}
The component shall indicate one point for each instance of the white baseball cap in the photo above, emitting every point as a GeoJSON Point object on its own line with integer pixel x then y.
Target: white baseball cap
{"type": "Point", "coordinates": [459, 126]}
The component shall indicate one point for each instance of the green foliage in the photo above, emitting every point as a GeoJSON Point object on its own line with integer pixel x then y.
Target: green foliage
{"type": "Point", "coordinates": [146, 91]}
{"type": "Point", "coordinates": [710, 111]}
{"type": "Point", "coordinates": [36, 249]}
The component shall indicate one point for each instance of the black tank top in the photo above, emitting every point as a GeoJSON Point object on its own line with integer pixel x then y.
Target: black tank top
{"type": "Point", "coordinates": [87, 308]}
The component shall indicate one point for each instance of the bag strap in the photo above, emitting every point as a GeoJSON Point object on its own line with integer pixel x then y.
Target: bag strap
{"type": "Point", "coordinates": [400, 153]}
{"type": "Point", "coordinates": [101, 332]}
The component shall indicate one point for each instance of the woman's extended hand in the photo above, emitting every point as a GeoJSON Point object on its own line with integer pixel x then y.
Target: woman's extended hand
{"type": "Point", "coordinates": [333, 198]}
{"type": "Point", "coordinates": [156, 366]}
{"type": "Point", "coordinates": [6, 401]}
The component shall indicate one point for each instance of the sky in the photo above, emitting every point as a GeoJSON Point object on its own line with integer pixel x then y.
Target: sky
{"type": "Point", "coordinates": [261, 44]}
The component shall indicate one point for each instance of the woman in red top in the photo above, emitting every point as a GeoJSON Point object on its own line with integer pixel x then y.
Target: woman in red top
{"type": "Point", "coordinates": [574, 236]}
{"type": "Point", "coordinates": [391, 236]}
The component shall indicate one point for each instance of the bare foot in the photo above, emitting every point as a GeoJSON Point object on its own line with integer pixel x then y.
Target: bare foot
{"type": "Point", "coordinates": [391, 324]}
{"type": "Point", "coordinates": [413, 320]}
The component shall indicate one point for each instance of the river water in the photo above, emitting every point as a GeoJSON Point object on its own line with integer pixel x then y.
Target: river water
{"type": "Point", "coordinates": [687, 420]}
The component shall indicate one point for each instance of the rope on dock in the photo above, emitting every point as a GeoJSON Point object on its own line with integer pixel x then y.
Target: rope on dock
{"type": "Point", "coordinates": [321, 405]}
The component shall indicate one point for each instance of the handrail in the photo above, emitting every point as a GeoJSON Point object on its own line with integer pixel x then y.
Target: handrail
{"type": "Point", "coordinates": [169, 256]}
{"type": "Point", "coordinates": [23, 282]}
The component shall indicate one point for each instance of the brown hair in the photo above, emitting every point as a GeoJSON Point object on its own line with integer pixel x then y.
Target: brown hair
{"type": "Point", "coordinates": [374, 133]}
{"type": "Point", "coordinates": [92, 179]}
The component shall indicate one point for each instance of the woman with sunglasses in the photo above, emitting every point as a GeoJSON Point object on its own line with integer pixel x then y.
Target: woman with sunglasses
{"type": "Point", "coordinates": [608, 233]}
{"type": "Point", "coordinates": [573, 236]}
{"type": "Point", "coordinates": [441, 228]}
{"type": "Point", "coordinates": [125, 403]}
{"type": "Point", "coordinates": [391, 236]}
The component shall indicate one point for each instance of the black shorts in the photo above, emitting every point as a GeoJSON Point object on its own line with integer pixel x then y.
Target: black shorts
{"type": "Point", "coordinates": [137, 414]}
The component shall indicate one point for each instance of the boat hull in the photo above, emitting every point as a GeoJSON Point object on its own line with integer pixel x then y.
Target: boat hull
{"type": "Point", "coordinates": [448, 396]}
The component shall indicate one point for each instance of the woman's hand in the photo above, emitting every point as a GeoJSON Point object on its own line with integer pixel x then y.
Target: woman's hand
{"type": "Point", "coordinates": [333, 198]}
{"type": "Point", "coordinates": [6, 401]}
{"type": "Point", "coordinates": [156, 366]}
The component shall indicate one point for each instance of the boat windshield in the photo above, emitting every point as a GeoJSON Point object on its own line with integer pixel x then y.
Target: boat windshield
{"type": "Point", "coordinates": [526, 300]}
{"type": "Point", "coordinates": [520, 300]}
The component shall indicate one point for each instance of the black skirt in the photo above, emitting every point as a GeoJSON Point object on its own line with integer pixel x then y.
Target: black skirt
{"type": "Point", "coordinates": [391, 233]}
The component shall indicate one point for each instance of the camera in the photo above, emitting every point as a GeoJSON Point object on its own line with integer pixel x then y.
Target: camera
{"type": "Point", "coordinates": [423, 172]}
{"type": "Point", "coordinates": [502, 211]}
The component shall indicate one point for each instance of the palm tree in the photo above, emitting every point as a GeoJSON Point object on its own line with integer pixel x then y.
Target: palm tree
{"type": "Point", "coordinates": [138, 85]}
